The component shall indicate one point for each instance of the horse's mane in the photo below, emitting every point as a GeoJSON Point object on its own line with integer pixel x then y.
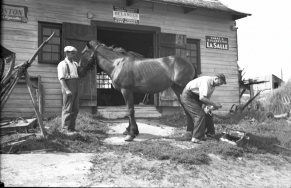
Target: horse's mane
{"type": "Point", "coordinates": [124, 52]}
{"type": "Point", "coordinates": [127, 53]}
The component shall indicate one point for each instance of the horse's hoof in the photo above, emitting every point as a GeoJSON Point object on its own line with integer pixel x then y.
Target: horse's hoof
{"type": "Point", "coordinates": [129, 138]}
{"type": "Point", "coordinates": [125, 132]}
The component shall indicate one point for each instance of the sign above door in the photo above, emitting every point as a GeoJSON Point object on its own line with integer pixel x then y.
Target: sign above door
{"type": "Point", "coordinates": [125, 15]}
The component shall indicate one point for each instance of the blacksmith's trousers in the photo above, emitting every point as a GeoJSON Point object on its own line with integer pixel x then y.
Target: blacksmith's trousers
{"type": "Point", "coordinates": [198, 122]}
{"type": "Point", "coordinates": [70, 104]}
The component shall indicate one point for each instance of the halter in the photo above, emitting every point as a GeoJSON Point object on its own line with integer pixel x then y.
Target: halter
{"type": "Point", "coordinates": [95, 50]}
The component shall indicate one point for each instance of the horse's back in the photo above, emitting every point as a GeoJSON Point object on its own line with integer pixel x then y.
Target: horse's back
{"type": "Point", "coordinates": [177, 69]}
{"type": "Point", "coordinates": [154, 74]}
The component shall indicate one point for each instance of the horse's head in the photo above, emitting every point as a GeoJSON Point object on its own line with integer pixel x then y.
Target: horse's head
{"type": "Point", "coordinates": [88, 57]}
{"type": "Point", "coordinates": [88, 54]}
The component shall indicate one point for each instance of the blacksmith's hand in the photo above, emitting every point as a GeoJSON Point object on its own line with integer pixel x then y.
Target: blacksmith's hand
{"type": "Point", "coordinates": [68, 92]}
{"type": "Point", "coordinates": [217, 106]}
{"type": "Point", "coordinates": [207, 109]}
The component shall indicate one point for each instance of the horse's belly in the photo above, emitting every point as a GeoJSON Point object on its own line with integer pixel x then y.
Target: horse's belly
{"type": "Point", "coordinates": [153, 84]}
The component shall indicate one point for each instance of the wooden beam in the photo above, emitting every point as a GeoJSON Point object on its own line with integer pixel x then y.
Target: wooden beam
{"type": "Point", "coordinates": [187, 10]}
{"type": "Point", "coordinates": [129, 2]}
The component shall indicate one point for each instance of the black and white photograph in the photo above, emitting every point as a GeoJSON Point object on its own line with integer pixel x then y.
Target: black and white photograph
{"type": "Point", "coordinates": [145, 93]}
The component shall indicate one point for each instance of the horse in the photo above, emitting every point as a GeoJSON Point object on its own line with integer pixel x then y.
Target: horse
{"type": "Point", "coordinates": [131, 72]}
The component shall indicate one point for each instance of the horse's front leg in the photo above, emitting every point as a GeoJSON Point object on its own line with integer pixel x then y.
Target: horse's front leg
{"type": "Point", "coordinates": [132, 129]}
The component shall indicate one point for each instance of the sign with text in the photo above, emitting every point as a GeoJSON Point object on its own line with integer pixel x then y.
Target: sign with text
{"type": "Point", "coordinates": [14, 13]}
{"type": "Point", "coordinates": [126, 15]}
{"type": "Point", "coordinates": [217, 42]}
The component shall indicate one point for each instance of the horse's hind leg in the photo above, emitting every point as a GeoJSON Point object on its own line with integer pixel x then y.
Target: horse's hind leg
{"type": "Point", "coordinates": [132, 129]}
{"type": "Point", "coordinates": [178, 91]}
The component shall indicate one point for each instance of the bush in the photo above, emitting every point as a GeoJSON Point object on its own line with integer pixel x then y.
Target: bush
{"type": "Point", "coordinates": [274, 100]}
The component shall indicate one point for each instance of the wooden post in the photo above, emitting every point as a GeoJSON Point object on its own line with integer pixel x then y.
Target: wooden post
{"type": "Point", "coordinates": [251, 93]}
{"type": "Point", "coordinates": [40, 96]}
{"type": "Point", "coordinates": [39, 118]}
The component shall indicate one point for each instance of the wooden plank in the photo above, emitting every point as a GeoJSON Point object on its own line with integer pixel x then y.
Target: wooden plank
{"type": "Point", "coordinates": [20, 124]}
{"type": "Point", "coordinates": [21, 138]}
{"type": "Point", "coordinates": [222, 66]}
{"type": "Point", "coordinates": [18, 103]}
{"type": "Point", "coordinates": [54, 110]}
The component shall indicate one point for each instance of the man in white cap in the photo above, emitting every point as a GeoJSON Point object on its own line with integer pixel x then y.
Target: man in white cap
{"type": "Point", "coordinates": [69, 79]}
{"type": "Point", "coordinates": [195, 99]}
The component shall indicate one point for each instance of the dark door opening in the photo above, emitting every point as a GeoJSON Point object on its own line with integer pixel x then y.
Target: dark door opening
{"type": "Point", "coordinates": [139, 42]}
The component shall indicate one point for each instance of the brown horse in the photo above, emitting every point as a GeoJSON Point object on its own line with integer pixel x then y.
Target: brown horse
{"type": "Point", "coordinates": [130, 73]}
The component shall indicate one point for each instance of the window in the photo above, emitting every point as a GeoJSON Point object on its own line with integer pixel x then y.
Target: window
{"type": "Point", "coordinates": [103, 81]}
{"type": "Point", "coordinates": [193, 53]}
{"type": "Point", "coordinates": [51, 52]}
{"type": "Point", "coordinates": [276, 85]}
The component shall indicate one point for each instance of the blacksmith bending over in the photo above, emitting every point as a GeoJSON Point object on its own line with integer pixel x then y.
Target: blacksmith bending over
{"type": "Point", "coordinates": [69, 79]}
{"type": "Point", "coordinates": [196, 99]}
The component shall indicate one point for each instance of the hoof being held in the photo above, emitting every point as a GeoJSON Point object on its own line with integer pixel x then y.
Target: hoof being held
{"type": "Point", "coordinates": [129, 138]}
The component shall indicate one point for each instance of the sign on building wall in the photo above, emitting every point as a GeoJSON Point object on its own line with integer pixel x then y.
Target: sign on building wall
{"type": "Point", "coordinates": [126, 15]}
{"type": "Point", "coordinates": [217, 42]}
{"type": "Point", "coordinates": [14, 13]}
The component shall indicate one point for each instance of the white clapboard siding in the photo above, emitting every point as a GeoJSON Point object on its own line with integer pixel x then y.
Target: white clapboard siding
{"type": "Point", "coordinates": [22, 38]}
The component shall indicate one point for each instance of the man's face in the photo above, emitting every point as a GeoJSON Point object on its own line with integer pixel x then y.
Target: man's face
{"type": "Point", "coordinates": [217, 81]}
{"type": "Point", "coordinates": [71, 55]}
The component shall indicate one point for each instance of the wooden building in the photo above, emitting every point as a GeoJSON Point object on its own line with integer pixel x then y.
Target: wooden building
{"type": "Point", "coordinates": [271, 82]}
{"type": "Point", "coordinates": [202, 31]}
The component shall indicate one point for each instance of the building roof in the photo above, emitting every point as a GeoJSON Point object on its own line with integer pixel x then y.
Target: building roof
{"type": "Point", "coordinates": [213, 5]}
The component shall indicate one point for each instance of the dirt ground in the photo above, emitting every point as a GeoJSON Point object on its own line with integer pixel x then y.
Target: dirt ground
{"type": "Point", "coordinates": [109, 168]}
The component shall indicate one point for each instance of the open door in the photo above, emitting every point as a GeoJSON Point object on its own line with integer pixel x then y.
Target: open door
{"type": "Point", "coordinates": [171, 44]}
{"type": "Point", "coordinates": [78, 35]}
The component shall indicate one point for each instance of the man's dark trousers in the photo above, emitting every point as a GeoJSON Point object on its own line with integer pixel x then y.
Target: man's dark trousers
{"type": "Point", "coordinates": [70, 104]}
{"type": "Point", "coordinates": [197, 120]}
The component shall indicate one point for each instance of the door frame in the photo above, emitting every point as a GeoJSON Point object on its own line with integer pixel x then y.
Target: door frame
{"type": "Point", "coordinates": [131, 28]}
{"type": "Point", "coordinates": [137, 29]}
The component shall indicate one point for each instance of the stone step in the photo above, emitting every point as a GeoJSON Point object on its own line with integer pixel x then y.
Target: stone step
{"type": "Point", "coordinates": [116, 112]}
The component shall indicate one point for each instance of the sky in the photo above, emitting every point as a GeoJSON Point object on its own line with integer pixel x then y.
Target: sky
{"type": "Point", "coordinates": [264, 38]}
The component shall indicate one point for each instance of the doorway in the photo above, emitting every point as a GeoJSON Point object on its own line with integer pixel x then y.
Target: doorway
{"type": "Point", "coordinates": [139, 42]}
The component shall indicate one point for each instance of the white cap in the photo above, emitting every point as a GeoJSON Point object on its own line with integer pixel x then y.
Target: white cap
{"type": "Point", "coordinates": [70, 49]}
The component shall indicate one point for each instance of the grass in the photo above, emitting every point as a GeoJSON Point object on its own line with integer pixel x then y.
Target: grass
{"type": "Point", "coordinates": [263, 132]}
{"type": "Point", "coordinates": [267, 136]}
{"type": "Point", "coordinates": [274, 101]}
{"type": "Point", "coordinates": [162, 150]}
{"type": "Point", "coordinates": [87, 140]}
